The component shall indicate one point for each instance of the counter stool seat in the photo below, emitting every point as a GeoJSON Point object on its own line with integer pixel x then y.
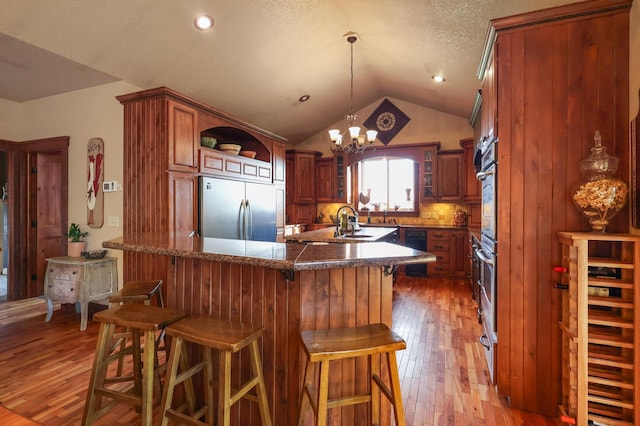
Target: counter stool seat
{"type": "Point", "coordinates": [323, 346]}
{"type": "Point", "coordinates": [227, 338]}
{"type": "Point", "coordinates": [140, 319]}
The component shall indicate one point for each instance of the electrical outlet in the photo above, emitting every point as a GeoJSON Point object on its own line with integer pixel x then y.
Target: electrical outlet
{"type": "Point", "coordinates": [113, 221]}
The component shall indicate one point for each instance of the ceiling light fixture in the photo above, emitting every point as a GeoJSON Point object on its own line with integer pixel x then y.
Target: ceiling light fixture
{"type": "Point", "coordinates": [203, 22]}
{"type": "Point", "coordinates": [357, 142]}
{"type": "Point", "coordinates": [438, 78]}
{"type": "Point", "coordinates": [303, 98]}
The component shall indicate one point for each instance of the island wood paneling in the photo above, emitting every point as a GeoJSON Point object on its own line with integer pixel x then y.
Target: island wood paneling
{"type": "Point", "coordinates": [327, 298]}
{"type": "Point", "coordinates": [559, 76]}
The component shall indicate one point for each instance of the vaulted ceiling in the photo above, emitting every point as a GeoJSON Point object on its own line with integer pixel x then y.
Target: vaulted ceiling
{"type": "Point", "coordinates": [260, 57]}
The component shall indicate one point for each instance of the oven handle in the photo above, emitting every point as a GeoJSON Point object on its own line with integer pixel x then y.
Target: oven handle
{"type": "Point", "coordinates": [484, 258]}
{"type": "Point", "coordinates": [485, 174]}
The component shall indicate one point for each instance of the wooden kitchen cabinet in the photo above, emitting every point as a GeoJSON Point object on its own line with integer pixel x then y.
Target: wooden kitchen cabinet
{"type": "Point", "coordinates": [600, 314]}
{"type": "Point", "coordinates": [428, 168]}
{"type": "Point", "coordinates": [183, 137]}
{"type": "Point", "coordinates": [450, 181]}
{"type": "Point", "coordinates": [301, 186]}
{"type": "Point", "coordinates": [472, 187]}
{"type": "Point", "coordinates": [438, 243]}
{"type": "Point", "coordinates": [79, 280]}
{"type": "Point", "coordinates": [460, 253]}
{"type": "Point", "coordinates": [162, 161]}
{"type": "Point", "coordinates": [325, 169]}
{"type": "Point", "coordinates": [183, 212]}
{"type": "Point", "coordinates": [451, 248]}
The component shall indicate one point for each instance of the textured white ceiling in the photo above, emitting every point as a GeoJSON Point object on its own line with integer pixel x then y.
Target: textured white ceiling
{"type": "Point", "coordinates": [261, 55]}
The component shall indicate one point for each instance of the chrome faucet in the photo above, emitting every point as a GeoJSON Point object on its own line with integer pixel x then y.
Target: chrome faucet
{"type": "Point", "coordinates": [343, 226]}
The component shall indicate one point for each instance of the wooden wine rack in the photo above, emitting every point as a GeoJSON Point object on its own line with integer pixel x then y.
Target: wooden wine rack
{"type": "Point", "coordinates": [600, 313]}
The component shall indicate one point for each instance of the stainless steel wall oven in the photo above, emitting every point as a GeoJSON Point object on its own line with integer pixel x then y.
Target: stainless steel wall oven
{"type": "Point", "coordinates": [487, 171]}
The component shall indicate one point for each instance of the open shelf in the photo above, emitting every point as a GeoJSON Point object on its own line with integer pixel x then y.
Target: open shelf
{"type": "Point", "coordinates": [600, 310]}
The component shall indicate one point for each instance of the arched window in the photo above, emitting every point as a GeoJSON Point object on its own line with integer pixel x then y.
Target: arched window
{"type": "Point", "coordinates": [386, 185]}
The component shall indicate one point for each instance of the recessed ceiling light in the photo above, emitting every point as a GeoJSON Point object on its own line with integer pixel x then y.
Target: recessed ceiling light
{"type": "Point", "coordinates": [304, 98]}
{"type": "Point", "coordinates": [438, 78]}
{"type": "Point", "coordinates": [203, 22]}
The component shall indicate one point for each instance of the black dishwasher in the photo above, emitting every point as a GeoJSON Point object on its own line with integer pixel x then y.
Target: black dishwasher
{"type": "Point", "coordinates": [418, 240]}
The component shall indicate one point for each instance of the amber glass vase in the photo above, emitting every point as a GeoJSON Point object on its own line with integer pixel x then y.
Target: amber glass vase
{"type": "Point", "coordinates": [600, 196]}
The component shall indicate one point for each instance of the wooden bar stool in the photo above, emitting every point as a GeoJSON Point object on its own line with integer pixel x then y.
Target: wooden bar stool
{"type": "Point", "coordinates": [323, 346]}
{"type": "Point", "coordinates": [144, 291]}
{"type": "Point", "coordinates": [140, 319]}
{"type": "Point", "coordinates": [139, 291]}
{"type": "Point", "coordinates": [227, 338]}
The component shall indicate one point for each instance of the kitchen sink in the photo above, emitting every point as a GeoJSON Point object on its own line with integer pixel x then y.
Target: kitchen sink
{"type": "Point", "coordinates": [357, 236]}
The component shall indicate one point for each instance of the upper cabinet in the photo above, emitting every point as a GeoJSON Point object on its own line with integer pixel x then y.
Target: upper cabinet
{"type": "Point", "coordinates": [472, 185]}
{"type": "Point", "coordinates": [429, 159]}
{"type": "Point", "coordinates": [183, 137]}
{"type": "Point", "coordinates": [301, 185]}
{"type": "Point", "coordinates": [450, 176]}
{"type": "Point", "coordinates": [331, 179]}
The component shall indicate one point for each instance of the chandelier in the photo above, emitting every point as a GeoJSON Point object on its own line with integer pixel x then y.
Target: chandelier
{"type": "Point", "coordinates": [351, 141]}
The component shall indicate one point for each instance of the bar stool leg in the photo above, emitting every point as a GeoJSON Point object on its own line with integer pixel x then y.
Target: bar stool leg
{"type": "Point", "coordinates": [167, 394]}
{"type": "Point", "coordinates": [208, 385]}
{"type": "Point", "coordinates": [261, 389]}
{"type": "Point", "coordinates": [374, 371]}
{"type": "Point", "coordinates": [224, 392]}
{"type": "Point", "coordinates": [98, 373]}
{"type": "Point", "coordinates": [323, 393]}
{"type": "Point", "coordinates": [398, 410]}
{"type": "Point", "coordinates": [305, 402]}
{"type": "Point", "coordinates": [147, 377]}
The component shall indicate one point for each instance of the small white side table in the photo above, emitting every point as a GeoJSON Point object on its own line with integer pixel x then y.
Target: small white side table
{"type": "Point", "coordinates": [79, 280]}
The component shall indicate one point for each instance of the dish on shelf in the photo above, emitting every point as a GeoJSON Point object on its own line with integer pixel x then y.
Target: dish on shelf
{"type": "Point", "coordinates": [230, 148]}
{"type": "Point", "coordinates": [248, 154]}
{"type": "Point", "coordinates": [207, 141]}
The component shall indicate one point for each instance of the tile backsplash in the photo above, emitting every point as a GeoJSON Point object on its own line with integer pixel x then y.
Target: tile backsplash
{"type": "Point", "coordinates": [432, 214]}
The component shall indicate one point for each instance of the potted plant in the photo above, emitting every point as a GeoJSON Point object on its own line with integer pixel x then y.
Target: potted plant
{"type": "Point", "coordinates": [76, 244]}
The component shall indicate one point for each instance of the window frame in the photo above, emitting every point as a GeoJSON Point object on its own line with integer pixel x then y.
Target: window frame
{"type": "Point", "coordinates": [413, 152]}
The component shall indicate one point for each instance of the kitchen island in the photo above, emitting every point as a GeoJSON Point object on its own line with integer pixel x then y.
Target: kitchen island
{"type": "Point", "coordinates": [286, 288]}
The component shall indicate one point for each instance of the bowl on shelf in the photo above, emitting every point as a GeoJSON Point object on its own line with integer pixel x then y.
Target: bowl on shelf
{"type": "Point", "coordinates": [230, 148]}
{"type": "Point", "coordinates": [248, 154]}
{"type": "Point", "coordinates": [94, 254]}
{"type": "Point", "coordinates": [207, 141]}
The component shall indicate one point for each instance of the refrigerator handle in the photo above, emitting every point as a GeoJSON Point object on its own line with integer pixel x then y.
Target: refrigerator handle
{"type": "Point", "coordinates": [249, 220]}
{"type": "Point", "coordinates": [241, 221]}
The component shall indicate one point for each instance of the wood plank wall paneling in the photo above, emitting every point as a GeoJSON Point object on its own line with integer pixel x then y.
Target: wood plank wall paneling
{"type": "Point", "coordinates": [557, 84]}
{"type": "Point", "coordinates": [327, 298]}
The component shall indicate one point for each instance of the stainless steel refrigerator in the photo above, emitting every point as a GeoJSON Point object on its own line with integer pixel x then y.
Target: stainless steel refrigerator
{"type": "Point", "coordinates": [237, 210]}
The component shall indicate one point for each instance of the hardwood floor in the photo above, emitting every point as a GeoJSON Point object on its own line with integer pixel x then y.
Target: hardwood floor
{"type": "Point", "coordinates": [44, 367]}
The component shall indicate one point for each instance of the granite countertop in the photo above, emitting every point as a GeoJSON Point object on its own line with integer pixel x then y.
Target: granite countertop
{"type": "Point", "coordinates": [291, 256]}
{"type": "Point", "coordinates": [363, 235]}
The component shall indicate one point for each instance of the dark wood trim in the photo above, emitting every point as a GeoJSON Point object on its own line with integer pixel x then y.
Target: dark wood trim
{"type": "Point", "coordinates": [413, 151]}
